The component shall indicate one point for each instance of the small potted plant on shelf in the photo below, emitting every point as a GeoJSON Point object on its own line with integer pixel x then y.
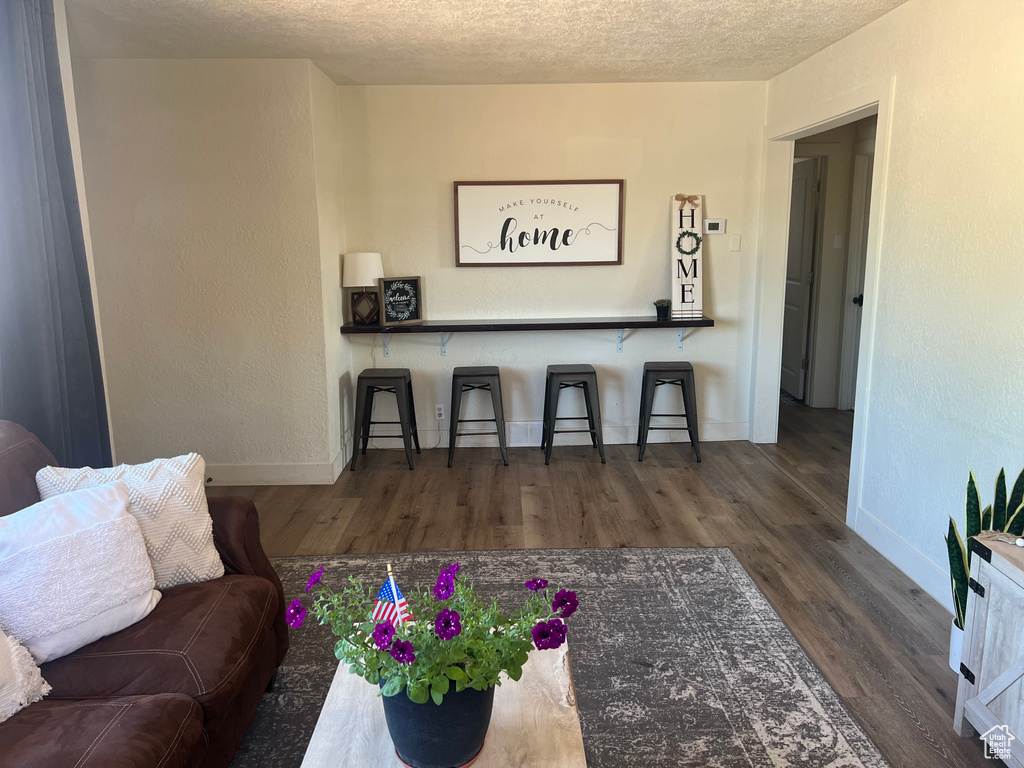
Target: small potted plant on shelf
{"type": "Point", "coordinates": [1005, 514]}
{"type": "Point", "coordinates": [436, 661]}
{"type": "Point", "coordinates": [661, 307]}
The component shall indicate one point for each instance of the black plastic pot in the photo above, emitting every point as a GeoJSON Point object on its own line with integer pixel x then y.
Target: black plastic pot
{"type": "Point", "coordinates": [662, 312]}
{"type": "Point", "coordinates": [446, 736]}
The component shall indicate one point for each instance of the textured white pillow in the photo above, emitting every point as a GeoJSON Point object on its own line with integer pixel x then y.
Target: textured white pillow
{"type": "Point", "coordinates": [168, 498]}
{"type": "Point", "coordinates": [21, 682]}
{"type": "Point", "coordinates": [72, 570]}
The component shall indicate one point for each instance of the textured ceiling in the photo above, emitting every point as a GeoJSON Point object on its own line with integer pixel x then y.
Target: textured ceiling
{"type": "Point", "coordinates": [480, 41]}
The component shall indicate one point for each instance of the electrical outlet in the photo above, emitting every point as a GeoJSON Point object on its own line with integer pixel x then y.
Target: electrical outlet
{"type": "Point", "coordinates": [439, 411]}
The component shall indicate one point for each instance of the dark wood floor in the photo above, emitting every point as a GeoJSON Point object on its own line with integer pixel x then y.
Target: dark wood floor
{"type": "Point", "coordinates": [880, 640]}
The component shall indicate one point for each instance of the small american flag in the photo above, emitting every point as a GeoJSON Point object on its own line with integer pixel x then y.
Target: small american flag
{"type": "Point", "coordinates": [391, 604]}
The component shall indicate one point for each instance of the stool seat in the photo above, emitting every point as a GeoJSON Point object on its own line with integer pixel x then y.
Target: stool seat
{"type": "Point", "coordinates": [568, 376]}
{"type": "Point", "coordinates": [577, 368]}
{"type": "Point", "coordinates": [466, 378]}
{"type": "Point", "coordinates": [678, 373]}
{"type": "Point", "coordinates": [397, 381]}
{"type": "Point", "coordinates": [469, 371]}
{"type": "Point", "coordinates": [669, 367]}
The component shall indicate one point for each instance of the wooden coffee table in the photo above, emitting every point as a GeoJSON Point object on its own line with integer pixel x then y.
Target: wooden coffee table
{"type": "Point", "coordinates": [534, 722]}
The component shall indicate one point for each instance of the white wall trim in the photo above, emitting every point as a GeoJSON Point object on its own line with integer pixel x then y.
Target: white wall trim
{"type": "Point", "coordinates": [277, 474]}
{"type": "Point", "coordinates": [897, 551]}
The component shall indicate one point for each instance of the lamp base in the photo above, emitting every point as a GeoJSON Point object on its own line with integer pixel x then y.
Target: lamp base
{"type": "Point", "coordinates": [365, 308]}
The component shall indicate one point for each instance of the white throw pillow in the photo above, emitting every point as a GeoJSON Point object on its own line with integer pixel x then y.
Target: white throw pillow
{"type": "Point", "coordinates": [73, 569]}
{"type": "Point", "coordinates": [168, 498]}
{"type": "Point", "coordinates": [21, 682]}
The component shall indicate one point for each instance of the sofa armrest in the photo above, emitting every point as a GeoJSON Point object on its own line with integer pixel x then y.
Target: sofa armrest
{"type": "Point", "coordinates": [236, 535]}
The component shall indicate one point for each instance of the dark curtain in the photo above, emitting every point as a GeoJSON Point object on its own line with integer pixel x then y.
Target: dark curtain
{"type": "Point", "coordinates": [50, 377]}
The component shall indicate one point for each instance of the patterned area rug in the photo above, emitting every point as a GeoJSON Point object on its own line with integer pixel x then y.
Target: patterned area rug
{"type": "Point", "coordinates": [678, 660]}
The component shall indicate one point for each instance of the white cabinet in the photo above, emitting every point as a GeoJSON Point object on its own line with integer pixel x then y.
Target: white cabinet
{"type": "Point", "coordinates": [990, 693]}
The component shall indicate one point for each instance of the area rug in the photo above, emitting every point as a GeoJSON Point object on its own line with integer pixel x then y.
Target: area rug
{"type": "Point", "coordinates": [678, 660]}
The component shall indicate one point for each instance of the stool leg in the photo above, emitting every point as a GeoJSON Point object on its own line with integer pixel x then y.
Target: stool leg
{"type": "Point", "coordinates": [595, 407]}
{"type": "Point", "coordinates": [367, 418]}
{"type": "Point", "coordinates": [357, 424]}
{"type": "Point", "coordinates": [453, 428]}
{"type": "Point", "coordinates": [499, 417]}
{"type": "Point", "coordinates": [553, 391]}
{"type": "Point", "coordinates": [412, 412]}
{"type": "Point", "coordinates": [544, 413]}
{"type": "Point", "coordinates": [650, 384]}
{"type": "Point", "coordinates": [590, 414]}
{"type": "Point", "coordinates": [690, 400]}
{"type": "Point", "coordinates": [640, 417]}
{"type": "Point", "coordinates": [404, 399]}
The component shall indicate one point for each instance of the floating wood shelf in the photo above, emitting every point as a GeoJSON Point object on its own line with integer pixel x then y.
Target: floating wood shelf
{"type": "Point", "coordinates": [548, 324]}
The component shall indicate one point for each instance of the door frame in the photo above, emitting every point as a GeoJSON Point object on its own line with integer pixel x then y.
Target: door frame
{"type": "Point", "coordinates": [875, 98]}
{"type": "Point", "coordinates": [859, 216]}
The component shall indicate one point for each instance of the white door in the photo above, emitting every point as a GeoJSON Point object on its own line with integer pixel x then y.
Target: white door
{"type": "Point", "coordinates": [860, 205]}
{"type": "Point", "coordinates": [799, 277]}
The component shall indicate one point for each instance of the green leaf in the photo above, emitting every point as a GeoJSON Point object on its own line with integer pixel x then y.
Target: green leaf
{"type": "Point", "coordinates": [520, 658]}
{"type": "Point", "coordinates": [436, 695]}
{"type": "Point", "coordinates": [439, 686]}
{"type": "Point", "coordinates": [959, 571]}
{"type": "Point", "coordinates": [986, 518]}
{"type": "Point", "coordinates": [999, 505]}
{"type": "Point", "coordinates": [393, 686]}
{"type": "Point", "coordinates": [1016, 497]}
{"type": "Point", "coordinates": [1015, 525]}
{"type": "Point", "coordinates": [973, 512]}
{"type": "Point", "coordinates": [455, 673]}
{"type": "Point", "coordinates": [514, 672]}
{"type": "Point", "coordinates": [417, 692]}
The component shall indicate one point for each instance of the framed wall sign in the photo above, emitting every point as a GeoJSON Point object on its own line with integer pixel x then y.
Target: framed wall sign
{"type": "Point", "coordinates": [686, 255]}
{"type": "Point", "coordinates": [538, 223]}
{"type": "Point", "coordinates": [401, 300]}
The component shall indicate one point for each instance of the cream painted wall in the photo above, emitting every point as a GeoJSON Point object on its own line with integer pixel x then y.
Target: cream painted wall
{"type": "Point", "coordinates": [206, 217]}
{"type": "Point", "coordinates": [413, 142]}
{"type": "Point", "coordinates": [330, 207]}
{"type": "Point", "coordinates": [945, 392]}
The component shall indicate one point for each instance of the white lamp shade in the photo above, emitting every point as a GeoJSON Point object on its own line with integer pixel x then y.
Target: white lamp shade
{"type": "Point", "coordinates": [361, 270]}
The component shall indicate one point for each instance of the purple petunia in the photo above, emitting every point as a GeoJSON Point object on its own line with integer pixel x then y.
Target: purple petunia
{"type": "Point", "coordinates": [295, 614]}
{"type": "Point", "coordinates": [314, 578]}
{"type": "Point", "coordinates": [383, 634]}
{"type": "Point", "coordinates": [535, 584]}
{"type": "Point", "coordinates": [448, 624]}
{"type": "Point", "coordinates": [548, 634]}
{"type": "Point", "coordinates": [445, 586]}
{"type": "Point", "coordinates": [402, 652]}
{"type": "Point", "coordinates": [565, 603]}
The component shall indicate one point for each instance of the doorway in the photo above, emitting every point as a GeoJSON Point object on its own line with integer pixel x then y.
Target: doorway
{"type": "Point", "coordinates": [829, 217]}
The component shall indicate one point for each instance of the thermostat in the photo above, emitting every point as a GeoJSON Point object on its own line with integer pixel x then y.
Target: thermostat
{"type": "Point", "coordinates": [714, 226]}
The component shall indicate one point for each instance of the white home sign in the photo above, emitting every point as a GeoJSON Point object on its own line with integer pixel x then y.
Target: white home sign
{"type": "Point", "coordinates": [686, 252]}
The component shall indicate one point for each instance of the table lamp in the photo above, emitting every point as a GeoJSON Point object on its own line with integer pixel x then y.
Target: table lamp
{"type": "Point", "coordinates": [361, 270]}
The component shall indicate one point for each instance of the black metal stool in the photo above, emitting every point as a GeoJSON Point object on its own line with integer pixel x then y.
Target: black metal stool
{"type": "Point", "coordinates": [397, 381]}
{"type": "Point", "coordinates": [468, 378]}
{"type": "Point", "coordinates": [656, 374]}
{"type": "Point", "coordinates": [563, 377]}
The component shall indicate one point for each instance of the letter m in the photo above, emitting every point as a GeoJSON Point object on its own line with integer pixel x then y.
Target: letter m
{"type": "Point", "coordinates": [682, 271]}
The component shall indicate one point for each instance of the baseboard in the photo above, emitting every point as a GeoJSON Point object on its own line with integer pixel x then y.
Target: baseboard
{"type": "Point", "coordinates": [276, 474]}
{"type": "Point", "coordinates": [919, 568]}
{"type": "Point", "coordinates": [525, 434]}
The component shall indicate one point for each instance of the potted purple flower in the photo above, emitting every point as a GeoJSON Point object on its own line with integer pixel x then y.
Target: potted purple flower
{"type": "Point", "coordinates": [445, 654]}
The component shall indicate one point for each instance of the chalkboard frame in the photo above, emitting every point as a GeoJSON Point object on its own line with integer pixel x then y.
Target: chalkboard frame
{"type": "Point", "coordinates": [417, 284]}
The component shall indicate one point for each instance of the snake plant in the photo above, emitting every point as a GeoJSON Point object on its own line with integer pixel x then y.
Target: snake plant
{"type": "Point", "coordinates": [1006, 514]}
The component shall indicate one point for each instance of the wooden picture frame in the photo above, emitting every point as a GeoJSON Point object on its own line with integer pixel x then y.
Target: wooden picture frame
{"type": "Point", "coordinates": [401, 300]}
{"type": "Point", "coordinates": [539, 223]}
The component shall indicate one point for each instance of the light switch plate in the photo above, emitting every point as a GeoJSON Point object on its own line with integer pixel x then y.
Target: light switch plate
{"type": "Point", "coordinates": [714, 226]}
{"type": "Point", "coordinates": [837, 241]}
{"type": "Point", "coordinates": [734, 242]}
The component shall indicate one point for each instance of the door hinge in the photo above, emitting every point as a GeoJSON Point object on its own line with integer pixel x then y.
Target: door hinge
{"type": "Point", "coordinates": [803, 364]}
{"type": "Point", "coordinates": [976, 587]}
{"type": "Point", "coordinates": [968, 675]}
{"type": "Point", "coordinates": [816, 186]}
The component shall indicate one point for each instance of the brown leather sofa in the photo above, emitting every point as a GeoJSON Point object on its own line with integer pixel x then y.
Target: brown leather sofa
{"type": "Point", "coordinates": [178, 688]}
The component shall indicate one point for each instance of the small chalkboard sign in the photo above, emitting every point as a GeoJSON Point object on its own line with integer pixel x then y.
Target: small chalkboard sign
{"type": "Point", "coordinates": [401, 300]}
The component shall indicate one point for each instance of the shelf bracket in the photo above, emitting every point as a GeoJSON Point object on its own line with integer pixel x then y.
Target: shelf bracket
{"type": "Point", "coordinates": [679, 345]}
{"type": "Point", "coordinates": [620, 339]}
{"type": "Point", "coordinates": [387, 344]}
{"type": "Point", "coordinates": [444, 344]}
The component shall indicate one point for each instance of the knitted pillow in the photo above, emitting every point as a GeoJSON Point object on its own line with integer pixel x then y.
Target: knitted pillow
{"type": "Point", "coordinates": [21, 682]}
{"type": "Point", "coordinates": [168, 498]}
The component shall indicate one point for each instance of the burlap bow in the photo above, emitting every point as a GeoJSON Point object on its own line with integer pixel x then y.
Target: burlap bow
{"type": "Point", "coordinates": [693, 200]}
